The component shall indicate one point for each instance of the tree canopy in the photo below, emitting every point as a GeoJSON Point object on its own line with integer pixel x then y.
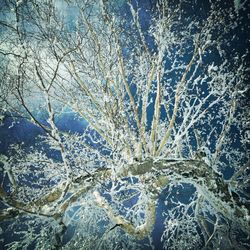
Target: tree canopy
{"type": "Point", "coordinates": [160, 91]}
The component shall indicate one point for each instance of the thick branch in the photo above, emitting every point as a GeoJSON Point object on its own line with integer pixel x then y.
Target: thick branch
{"type": "Point", "coordinates": [140, 232]}
{"type": "Point", "coordinates": [178, 93]}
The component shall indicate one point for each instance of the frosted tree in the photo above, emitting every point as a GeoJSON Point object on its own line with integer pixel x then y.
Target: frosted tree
{"type": "Point", "coordinates": [161, 89]}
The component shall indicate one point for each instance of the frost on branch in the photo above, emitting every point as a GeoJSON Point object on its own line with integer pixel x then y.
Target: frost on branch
{"type": "Point", "coordinates": [159, 95]}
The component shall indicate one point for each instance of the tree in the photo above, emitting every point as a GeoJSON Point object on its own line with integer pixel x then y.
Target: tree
{"type": "Point", "coordinates": [162, 93]}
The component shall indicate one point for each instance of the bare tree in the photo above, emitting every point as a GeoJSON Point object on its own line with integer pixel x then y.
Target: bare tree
{"type": "Point", "coordinates": [162, 92]}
